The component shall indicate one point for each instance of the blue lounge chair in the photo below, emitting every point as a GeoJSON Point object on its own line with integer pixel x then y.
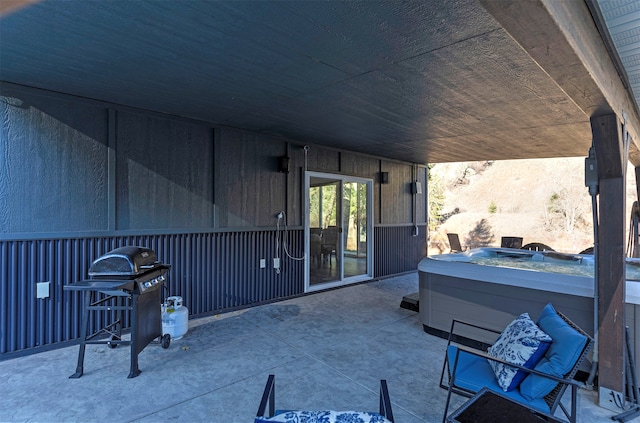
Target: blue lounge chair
{"type": "Point", "coordinates": [467, 370]}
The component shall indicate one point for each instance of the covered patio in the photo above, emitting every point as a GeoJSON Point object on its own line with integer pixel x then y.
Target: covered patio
{"type": "Point", "coordinates": [329, 349]}
{"type": "Point", "coordinates": [166, 123]}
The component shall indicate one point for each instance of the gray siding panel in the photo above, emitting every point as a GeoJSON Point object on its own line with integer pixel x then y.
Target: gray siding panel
{"type": "Point", "coordinates": [53, 164]}
{"type": "Point", "coordinates": [249, 189]}
{"type": "Point", "coordinates": [164, 173]}
{"type": "Point", "coordinates": [397, 200]}
{"type": "Point", "coordinates": [397, 250]}
{"type": "Point", "coordinates": [211, 271]}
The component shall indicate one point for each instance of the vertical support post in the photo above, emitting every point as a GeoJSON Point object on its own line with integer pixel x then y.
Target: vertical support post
{"type": "Point", "coordinates": [610, 155]}
{"type": "Point", "coordinates": [111, 170]}
{"type": "Point", "coordinates": [288, 215]}
{"type": "Point", "coordinates": [634, 217]}
{"type": "Point", "coordinates": [380, 198]}
{"type": "Point", "coordinates": [637, 174]}
{"type": "Point", "coordinates": [414, 198]}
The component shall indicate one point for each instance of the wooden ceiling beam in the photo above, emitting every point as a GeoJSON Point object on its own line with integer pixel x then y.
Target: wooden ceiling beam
{"type": "Point", "coordinates": [562, 38]}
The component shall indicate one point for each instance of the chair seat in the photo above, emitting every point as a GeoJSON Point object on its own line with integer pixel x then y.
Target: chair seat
{"type": "Point", "coordinates": [265, 415]}
{"type": "Point", "coordinates": [483, 376]}
{"type": "Point", "coordinates": [325, 416]}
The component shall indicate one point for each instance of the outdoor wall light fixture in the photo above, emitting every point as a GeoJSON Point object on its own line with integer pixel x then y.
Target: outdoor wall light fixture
{"type": "Point", "coordinates": [384, 177]}
{"type": "Point", "coordinates": [283, 164]}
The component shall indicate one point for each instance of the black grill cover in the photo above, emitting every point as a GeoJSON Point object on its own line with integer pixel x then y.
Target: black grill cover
{"type": "Point", "coordinates": [124, 262]}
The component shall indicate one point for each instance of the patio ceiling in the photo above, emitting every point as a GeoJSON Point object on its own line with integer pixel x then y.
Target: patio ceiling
{"type": "Point", "coordinates": [622, 22]}
{"type": "Point", "coordinates": [423, 81]}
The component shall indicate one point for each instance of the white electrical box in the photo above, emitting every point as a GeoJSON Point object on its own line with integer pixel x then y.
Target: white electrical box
{"type": "Point", "coordinates": [42, 289]}
{"type": "Point", "coordinates": [263, 263]}
{"type": "Point", "coordinates": [276, 263]}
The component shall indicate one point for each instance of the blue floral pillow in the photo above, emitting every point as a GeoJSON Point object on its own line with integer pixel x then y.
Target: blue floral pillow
{"type": "Point", "coordinates": [522, 343]}
{"type": "Point", "coordinates": [325, 416]}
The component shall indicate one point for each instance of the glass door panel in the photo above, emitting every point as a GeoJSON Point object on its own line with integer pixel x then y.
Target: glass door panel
{"type": "Point", "coordinates": [337, 227]}
{"type": "Point", "coordinates": [324, 231]}
{"type": "Point", "coordinates": [355, 226]}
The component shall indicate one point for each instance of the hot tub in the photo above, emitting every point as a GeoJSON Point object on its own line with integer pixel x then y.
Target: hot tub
{"type": "Point", "coordinates": [491, 286]}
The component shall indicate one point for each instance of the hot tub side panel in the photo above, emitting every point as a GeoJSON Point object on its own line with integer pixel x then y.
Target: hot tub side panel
{"type": "Point", "coordinates": [451, 287]}
{"type": "Point", "coordinates": [443, 298]}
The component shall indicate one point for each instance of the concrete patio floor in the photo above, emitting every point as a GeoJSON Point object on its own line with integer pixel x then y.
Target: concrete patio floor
{"type": "Point", "coordinates": [327, 350]}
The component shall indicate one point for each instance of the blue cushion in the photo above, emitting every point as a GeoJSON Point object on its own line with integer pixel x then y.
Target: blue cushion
{"type": "Point", "coordinates": [474, 373]}
{"type": "Point", "coordinates": [323, 416]}
{"type": "Point", "coordinates": [560, 358]}
{"type": "Point", "coordinates": [521, 343]}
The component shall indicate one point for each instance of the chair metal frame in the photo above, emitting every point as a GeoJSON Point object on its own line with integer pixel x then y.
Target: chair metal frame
{"type": "Point", "coordinates": [269, 396]}
{"type": "Point", "coordinates": [553, 399]}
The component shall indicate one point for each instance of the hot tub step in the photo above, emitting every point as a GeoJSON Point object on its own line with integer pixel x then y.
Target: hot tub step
{"type": "Point", "coordinates": [411, 302]}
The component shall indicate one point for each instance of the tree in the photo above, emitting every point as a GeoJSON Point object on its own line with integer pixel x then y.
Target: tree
{"type": "Point", "coordinates": [569, 203]}
{"type": "Point", "coordinates": [435, 198]}
{"type": "Point", "coordinates": [481, 235]}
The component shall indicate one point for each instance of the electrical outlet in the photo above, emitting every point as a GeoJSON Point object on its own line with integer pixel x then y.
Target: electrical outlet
{"type": "Point", "coordinates": [276, 263]}
{"type": "Point", "coordinates": [42, 289]}
{"type": "Point", "coordinates": [263, 263]}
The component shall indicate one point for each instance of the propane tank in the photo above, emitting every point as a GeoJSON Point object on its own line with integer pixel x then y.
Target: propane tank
{"type": "Point", "coordinates": [175, 318]}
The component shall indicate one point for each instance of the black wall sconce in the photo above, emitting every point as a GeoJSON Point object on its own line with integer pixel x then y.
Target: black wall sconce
{"type": "Point", "coordinates": [384, 177]}
{"type": "Point", "coordinates": [283, 164]}
{"type": "Point", "coordinates": [416, 187]}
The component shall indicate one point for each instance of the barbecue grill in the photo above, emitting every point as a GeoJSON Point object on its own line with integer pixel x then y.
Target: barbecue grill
{"type": "Point", "coordinates": [125, 279]}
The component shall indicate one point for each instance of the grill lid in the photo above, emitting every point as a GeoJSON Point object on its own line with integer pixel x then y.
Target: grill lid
{"type": "Point", "coordinates": [124, 261]}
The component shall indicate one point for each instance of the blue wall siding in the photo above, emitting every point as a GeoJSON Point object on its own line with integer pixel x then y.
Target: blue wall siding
{"type": "Point", "coordinates": [206, 270]}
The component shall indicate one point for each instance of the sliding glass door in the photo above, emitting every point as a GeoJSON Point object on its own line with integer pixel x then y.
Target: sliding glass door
{"type": "Point", "coordinates": [338, 230]}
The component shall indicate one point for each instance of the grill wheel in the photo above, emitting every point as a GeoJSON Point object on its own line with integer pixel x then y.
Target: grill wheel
{"type": "Point", "coordinates": [111, 344]}
{"type": "Point", "coordinates": [166, 341]}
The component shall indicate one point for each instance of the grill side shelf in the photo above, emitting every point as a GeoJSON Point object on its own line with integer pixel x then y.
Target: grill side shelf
{"type": "Point", "coordinates": [102, 286]}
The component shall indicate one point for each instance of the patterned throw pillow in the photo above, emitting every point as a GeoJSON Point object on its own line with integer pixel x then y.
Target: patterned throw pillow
{"type": "Point", "coordinates": [325, 416]}
{"type": "Point", "coordinates": [522, 343]}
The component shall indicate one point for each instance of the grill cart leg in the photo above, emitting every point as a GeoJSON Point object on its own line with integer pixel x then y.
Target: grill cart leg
{"type": "Point", "coordinates": [135, 370]}
{"type": "Point", "coordinates": [83, 333]}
